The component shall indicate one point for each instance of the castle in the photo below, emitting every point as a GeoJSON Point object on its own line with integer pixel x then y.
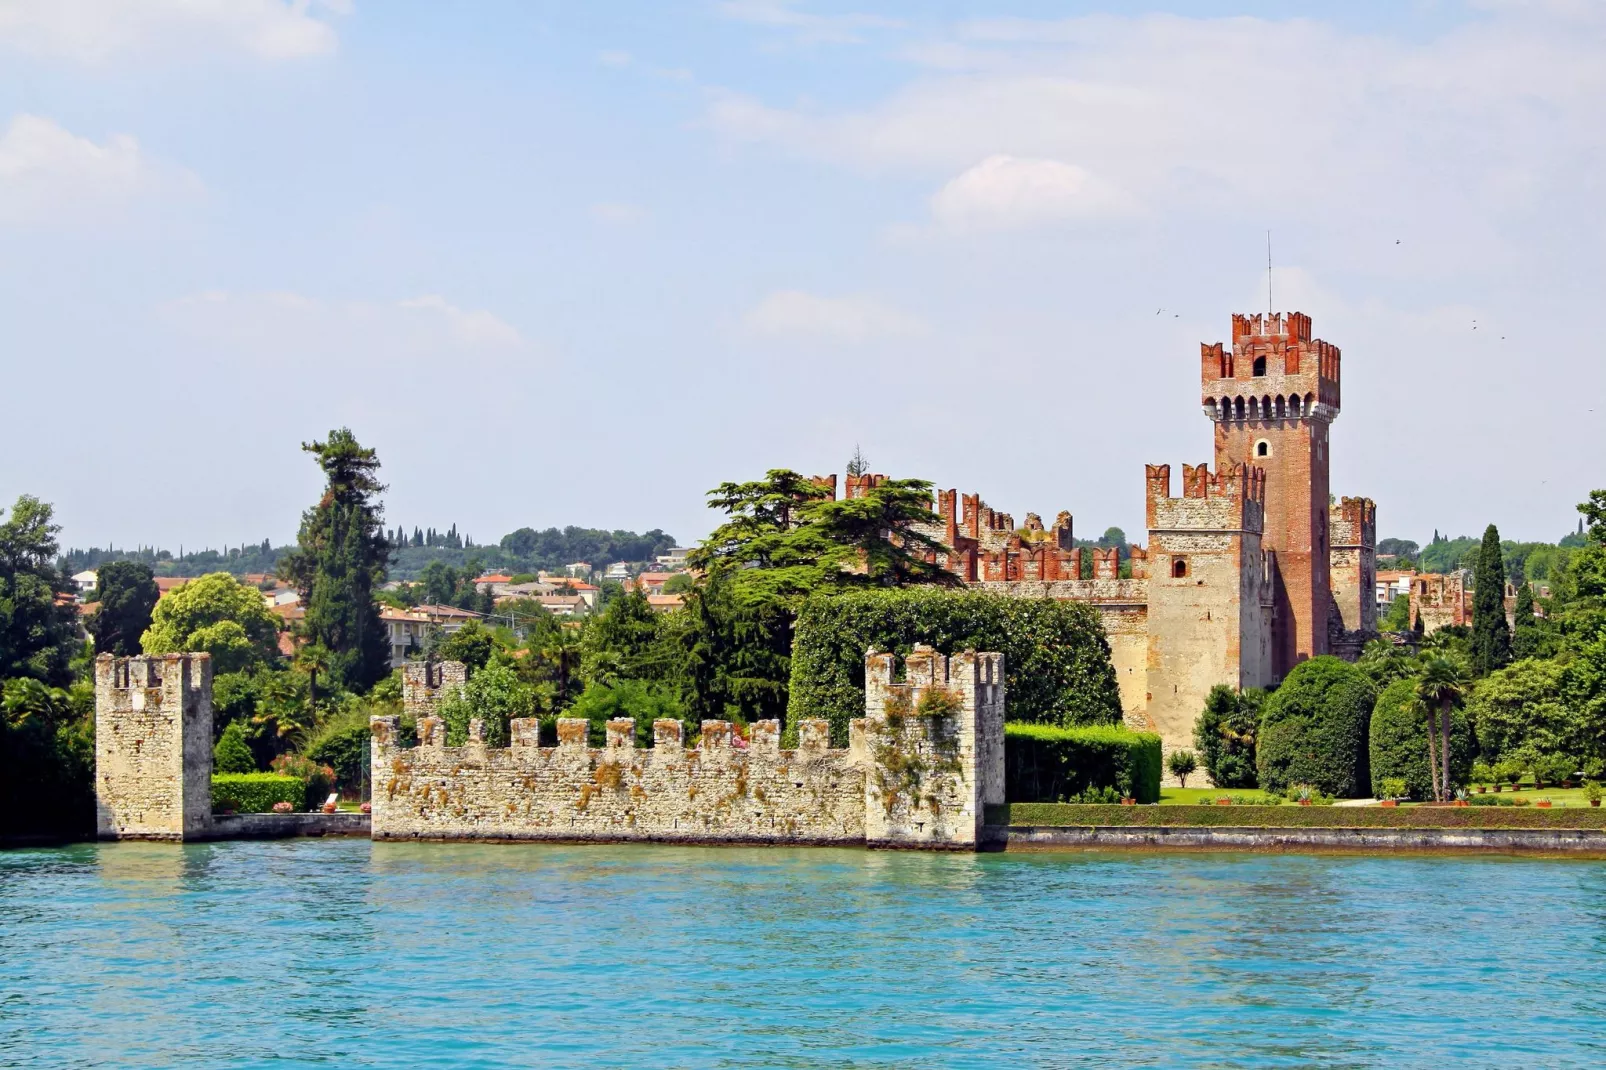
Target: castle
{"type": "Point", "coordinates": [1252, 570]}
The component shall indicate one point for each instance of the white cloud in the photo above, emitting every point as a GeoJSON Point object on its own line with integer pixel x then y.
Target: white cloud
{"type": "Point", "coordinates": [48, 174]}
{"type": "Point", "coordinates": [344, 338]}
{"type": "Point", "coordinates": [1492, 121]}
{"type": "Point", "coordinates": [618, 214]}
{"type": "Point", "coordinates": [92, 31]}
{"type": "Point", "coordinates": [796, 314]}
{"type": "Point", "coordinates": [615, 58]}
{"type": "Point", "coordinates": [1006, 192]}
{"type": "Point", "coordinates": [806, 27]}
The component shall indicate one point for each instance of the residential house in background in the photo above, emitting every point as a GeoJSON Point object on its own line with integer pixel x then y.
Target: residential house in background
{"type": "Point", "coordinates": [407, 630]}
{"type": "Point", "coordinates": [675, 559]}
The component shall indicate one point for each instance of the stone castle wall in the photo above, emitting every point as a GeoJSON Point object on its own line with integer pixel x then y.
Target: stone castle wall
{"type": "Point", "coordinates": [153, 747]}
{"type": "Point", "coordinates": [723, 789]}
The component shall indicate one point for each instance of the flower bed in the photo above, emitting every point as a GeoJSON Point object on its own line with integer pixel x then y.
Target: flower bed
{"type": "Point", "coordinates": [1473, 817]}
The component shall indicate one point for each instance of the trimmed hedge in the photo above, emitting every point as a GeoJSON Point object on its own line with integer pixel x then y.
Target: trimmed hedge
{"type": "Point", "coordinates": [1056, 659]}
{"type": "Point", "coordinates": [1067, 815]}
{"type": "Point", "coordinates": [1047, 762]}
{"type": "Point", "coordinates": [1313, 730]}
{"type": "Point", "coordinates": [255, 793]}
{"type": "Point", "coordinates": [1399, 742]}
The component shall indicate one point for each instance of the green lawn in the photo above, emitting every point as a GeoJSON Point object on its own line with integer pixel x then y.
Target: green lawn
{"type": "Point", "coordinates": [1558, 796]}
{"type": "Point", "coordinates": [1207, 796]}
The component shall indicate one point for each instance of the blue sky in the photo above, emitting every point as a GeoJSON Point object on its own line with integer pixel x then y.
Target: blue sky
{"type": "Point", "coordinates": [575, 264]}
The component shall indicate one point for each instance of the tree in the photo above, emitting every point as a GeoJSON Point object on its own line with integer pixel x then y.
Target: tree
{"type": "Point", "coordinates": [1526, 633]}
{"type": "Point", "coordinates": [339, 561]}
{"type": "Point", "coordinates": [1398, 742]}
{"type": "Point", "coordinates": [495, 695]}
{"type": "Point", "coordinates": [231, 755]}
{"type": "Point", "coordinates": [1491, 637]}
{"type": "Point", "coordinates": [218, 615]}
{"type": "Point", "coordinates": [126, 592]}
{"type": "Point", "coordinates": [1438, 688]}
{"type": "Point", "coordinates": [1520, 706]}
{"type": "Point", "coordinates": [857, 465]}
{"type": "Point", "coordinates": [1313, 729]}
{"type": "Point", "coordinates": [1224, 736]}
{"type": "Point", "coordinates": [786, 537]}
{"type": "Point", "coordinates": [622, 642]}
{"type": "Point", "coordinates": [471, 644]}
{"type": "Point", "coordinates": [1181, 763]}
{"type": "Point", "coordinates": [37, 626]}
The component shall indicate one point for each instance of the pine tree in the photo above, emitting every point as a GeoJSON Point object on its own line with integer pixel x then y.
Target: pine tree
{"type": "Point", "coordinates": [340, 560]}
{"type": "Point", "coordinates": [1491, 636]}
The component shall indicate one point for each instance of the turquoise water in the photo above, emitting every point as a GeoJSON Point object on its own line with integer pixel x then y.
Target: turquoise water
{"type": "Point", "coordinates": [357, 954]}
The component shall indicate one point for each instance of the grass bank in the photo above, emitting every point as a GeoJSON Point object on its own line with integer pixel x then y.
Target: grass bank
{"type": "Point", "coordinates": [1290, 816]}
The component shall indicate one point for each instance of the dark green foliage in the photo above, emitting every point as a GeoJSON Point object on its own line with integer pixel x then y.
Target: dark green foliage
{"type": "Point", "coordinates": [1491, 637]}
{"type": "Point", "coordinates": [1224, 736]}
{"type": "Point", "coordinates": [340, 561]}
{"type": "Point", "coordinates": [1527, 634]}
{"type": "Point", "coordinates": [255, 793]}
{"type": "Point", "coordinates": [342, 745]}
{"type": "Point", "coordinates": [1045, 762]}
{"type": "Point", "coordinates": [47, 760]}
{"type": "Point", "coordinates": [641, 701]}
{"type": "Point", "coordinates": [1398, 742]}
{"type": "Point", "coordinates": [738, 656]}
{"type": "Point", "coordinates": [1049, 815]}
{"type": "Point", "coordinates": [1056, 661]}
{"type": "Point", "coordinates": [126, 592]}
{"type": "Point", "coordinates": [1313, 730]}
{"type": "Point", "coordinates": [471, 644]}
{"type": "Point", "coordinates": [1182, 764]}
{"type": "Point", "coordinates": [38, 636]}
{"type": "Point", "coordinates": [230, 754]}
{"type": "Point", "coordinates": [621, 642]}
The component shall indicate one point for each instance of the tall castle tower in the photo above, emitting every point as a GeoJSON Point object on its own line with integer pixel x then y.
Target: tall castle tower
{"type": "Point", "coordinates": [1272, 397]}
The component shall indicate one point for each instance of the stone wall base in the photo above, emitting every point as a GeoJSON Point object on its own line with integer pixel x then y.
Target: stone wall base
{"type": "Point", "coordinates": [1586, 841]}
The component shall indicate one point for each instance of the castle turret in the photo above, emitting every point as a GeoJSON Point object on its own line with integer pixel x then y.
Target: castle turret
{"type": "Point", "coordinates": [153, 747]}
{"type": "Point", "coordinates": [1272, 397]}
{"type": "Point", "coordinates": [1209, 619]}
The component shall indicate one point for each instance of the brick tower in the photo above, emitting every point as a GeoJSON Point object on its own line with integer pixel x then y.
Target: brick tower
{"type": "Point", "coordinates": [1272, 397]}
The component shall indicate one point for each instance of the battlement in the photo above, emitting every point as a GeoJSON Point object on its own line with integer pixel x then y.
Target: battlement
{"type": "Point", "coordinates": [1354, 523]}
{"type": "Point", "coordinates": [727, 787]}
{"type": "Point", "coordinates": [1231, 498]}
{"type": "Point", "coordinates": [425, 683]}
{"type": "Point", "coordinates": [859, 486]}
{"type": "Point", "coordinates": [1274, 370]}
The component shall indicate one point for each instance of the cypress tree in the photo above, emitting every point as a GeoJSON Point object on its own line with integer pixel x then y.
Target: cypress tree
{"type": "Point", "coordinates": [1491, 636]}
{"type": "Point", "coordinates": [340, 559]}
{"type": "Point", "coordinates": [1525, 626]}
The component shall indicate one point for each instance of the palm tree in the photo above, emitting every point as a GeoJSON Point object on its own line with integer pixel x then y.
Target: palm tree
{"type": "Point", "coordinates": [312, 660]}
{"type": "Point", "coordinates": [1439, 685]}
{"type": "Point", "coordinates": [562, 651]}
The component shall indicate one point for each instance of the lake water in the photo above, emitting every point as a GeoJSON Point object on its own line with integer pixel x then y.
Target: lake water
{"type": "Point", "coordinates": [357, 954]}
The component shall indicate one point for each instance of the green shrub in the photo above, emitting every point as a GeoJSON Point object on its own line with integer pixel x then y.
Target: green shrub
{"type": "Point", "coordinates": [1510, 770]}
{"type": "Point", "coordinates": [1224, 736]}
{"type": "Point", "coordinates": [1399, 742]}
{"type": "Point", "coordinates": [255, 793]}
{"type": "Point", "coordinates": [1313, 729]}
{"type": "Point", "coordinates": [1043, 762]}
{"type": "Point", "coordinates": [1554, 768]}
{"type": "Point", "coordinates": [1390, 787]}
{"type": "Point", "coordinates": [341, 744]}
{"type": "Point", "coordinates": [319, 779]}
{"type": "Point", "coordinates": [1056, 660]}
{"type": "Point", "coordinates": [639, 700]}
{"type": "Point", "coordinates": [231, 755]}
{"type": "Point", "coordinates": [1482, 772]}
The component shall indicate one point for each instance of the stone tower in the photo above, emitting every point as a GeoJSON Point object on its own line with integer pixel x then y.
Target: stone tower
{"type": "Point", "coordinates": [1272, 397]}
{"type": "Point", "coordinates": [153, 747]}
{"type": "Point", "coordinates": [1209, 592]}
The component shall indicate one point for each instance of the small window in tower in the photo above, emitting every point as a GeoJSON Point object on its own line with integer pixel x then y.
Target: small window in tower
{"type": "Point", "coordinates": [1179, 567]}
{"type": "Point", "coordinates": [1263, 448]}
{"type": "Point", "coordinates": [1260, 367]}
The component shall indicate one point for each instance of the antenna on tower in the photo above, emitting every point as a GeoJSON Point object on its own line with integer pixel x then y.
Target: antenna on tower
{"type": "Point", "coordinates": [1268, 276]}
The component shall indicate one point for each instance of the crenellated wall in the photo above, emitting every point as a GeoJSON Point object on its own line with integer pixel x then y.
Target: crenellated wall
{"type": "Point", "coordinates": [724, 789]}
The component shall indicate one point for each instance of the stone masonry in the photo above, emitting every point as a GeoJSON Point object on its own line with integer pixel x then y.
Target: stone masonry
{"type": "Point", "coordinates": [1251, 571]}
{"type": "Point", "coordinates": [919, 770]}
{"type": "Point", "coordinates": [153, 747]}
